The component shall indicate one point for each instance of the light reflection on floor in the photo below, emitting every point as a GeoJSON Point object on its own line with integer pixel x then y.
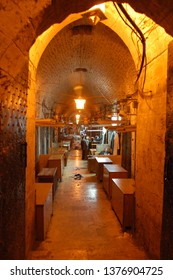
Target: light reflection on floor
{"type": "Point", "coordinates": [83, 225]}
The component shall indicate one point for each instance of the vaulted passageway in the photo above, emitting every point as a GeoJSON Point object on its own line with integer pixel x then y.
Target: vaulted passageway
{"type": "Point", "coordinates": [50, 39]}
{"type": "Point", "coordinates": [83, 225]}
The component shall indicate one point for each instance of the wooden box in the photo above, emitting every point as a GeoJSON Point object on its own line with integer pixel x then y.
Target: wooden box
{"type": "Point", "coordinates": [58, 162]}
{"type": "Point", "coordinates": [123, 201]}
{"type": "Point", "coordinates": [92, 164]}
{"type": "Point", "coordinates": [42, 162]}
{"type": "Point", "coordinates": [100, 161]}
{"type": "Point", "coordinates": [59, 151]}
{"type": "Point", "coordinates": [48, 175]}
{"type": "Point", "coordinates": [111, 171]}
{"type": "Point", "coordinates": [44, 208]}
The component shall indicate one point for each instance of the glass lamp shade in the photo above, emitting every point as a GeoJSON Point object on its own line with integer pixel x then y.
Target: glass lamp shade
{"type": "Point", "coordinates": [77, 117]}
{"type": "Point", "coordinates": [80, 103]}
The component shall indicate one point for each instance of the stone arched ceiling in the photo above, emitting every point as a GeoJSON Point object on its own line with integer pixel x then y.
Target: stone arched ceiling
{"type": "Point", "coordinates": [107, 70]}
{"type": "Point", "coordinates": [91, 56]}
{"type": "Point", "coordinates": [160, 11]}
{"type": "Point", "coordinates": [23, 21]}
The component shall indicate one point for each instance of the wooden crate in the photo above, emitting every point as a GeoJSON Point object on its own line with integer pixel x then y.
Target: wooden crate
{"type": "Point", "coordinates": [111, 171]}
{"type": "Point", "coordinates": [123, 201]}
{"type": "Point", "coordinates": [44, 208]}
{"type": "Point", "coordinates": [48, 175]}
{"type": "Point", "coordinates": [99, 166]}
{"type": "Point", "coordinates": [57, 161]}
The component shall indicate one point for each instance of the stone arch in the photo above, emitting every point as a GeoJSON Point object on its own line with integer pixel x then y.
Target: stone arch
{"type": "Point", "coordinates": [20, 26]}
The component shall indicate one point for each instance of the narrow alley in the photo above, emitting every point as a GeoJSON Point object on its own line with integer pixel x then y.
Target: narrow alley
{"type": "Point", "coordinates": [83, 225]}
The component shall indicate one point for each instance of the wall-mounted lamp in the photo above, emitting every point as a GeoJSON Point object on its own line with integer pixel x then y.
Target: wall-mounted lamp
{"type": "Point", "coordinates": [96, 13]}
{"type": "Point", "coordinates": [80, 103]}
{"type": "Point", "coordinates": [94, 18]}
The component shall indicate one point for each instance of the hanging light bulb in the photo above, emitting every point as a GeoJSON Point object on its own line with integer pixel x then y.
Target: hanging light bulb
{"type": "Point", "coordinates": [77, 118]}
{"type": "Point", "coordinates": [80, 103]}
{"type": "Point", "coordinates": [114, 117]}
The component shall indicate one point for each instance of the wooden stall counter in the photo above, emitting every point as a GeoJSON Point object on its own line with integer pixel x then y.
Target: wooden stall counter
{"type": "Point", "coordinates": [92, 164]}
{"type": "Point", "coordinates": [44, 208]}
{"type": "Point", "coordinates": [123, 201]}
{"type": "Point", "coordinates": [58, 162]}
{"type": "Point", "coordinates": [100, 161]}
{"type": "Point", "coordinates": [111, 171]}
{"type": "Point", "coordinates": [116, 159]}
{"type": "Point", "coordinates": [60, 151]}
{"type": "Point", "coordinates": [48, 175]}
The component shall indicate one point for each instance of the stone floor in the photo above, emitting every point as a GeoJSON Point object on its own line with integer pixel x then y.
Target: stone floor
{"type": "Point", "coordinates": [83, 225]}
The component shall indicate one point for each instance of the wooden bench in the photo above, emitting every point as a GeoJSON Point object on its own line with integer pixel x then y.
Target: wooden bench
{"type": "Point", "coordinates": [123, 201]}
{"type": "Point", "coordinates": [44, 208]}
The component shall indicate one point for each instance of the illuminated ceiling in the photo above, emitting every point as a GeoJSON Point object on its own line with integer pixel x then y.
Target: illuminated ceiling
{"type": "Point", "coordinates": [91, 56]}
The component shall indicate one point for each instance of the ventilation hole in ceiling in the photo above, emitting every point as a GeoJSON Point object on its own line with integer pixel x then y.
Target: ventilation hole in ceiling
{"type": "Point", "coordinates": [82, 29]}
{"type": "Point", "coordinates": [80, 69]}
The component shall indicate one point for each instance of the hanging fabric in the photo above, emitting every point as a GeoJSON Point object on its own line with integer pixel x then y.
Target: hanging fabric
{"type": "Point", "coordinates": [116, 144]}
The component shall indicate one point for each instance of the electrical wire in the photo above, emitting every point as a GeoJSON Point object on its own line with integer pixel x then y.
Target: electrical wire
{"type": "Point", "coordinates": [115, 5]}
{"type": "Point", "coordinates": [136, 30]}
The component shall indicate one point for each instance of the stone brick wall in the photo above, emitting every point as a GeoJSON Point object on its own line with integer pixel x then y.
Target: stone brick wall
{"type": "Point", "coordinates": [20, 25]}
{"type": "Point", "coordinates": [18, 32]}
{"type": "Point", "coordinates": [150, 146]}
